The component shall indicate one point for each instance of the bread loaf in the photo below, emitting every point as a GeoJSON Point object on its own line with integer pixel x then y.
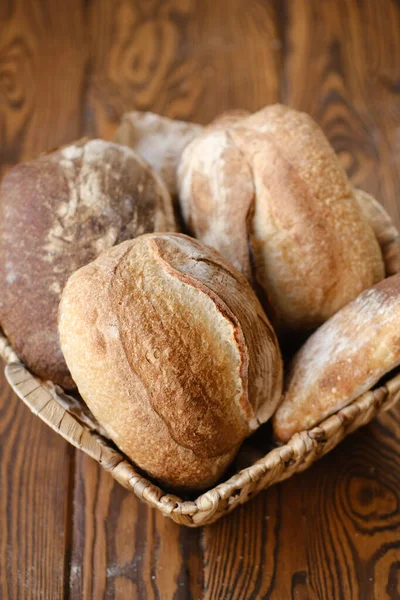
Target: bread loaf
{"type": "Point", "coordinates": [385, 231]}
{"type": "Point", "coordinates": [268, 192]}
{"type": "Point", "coordinates": [173, 354]}
{"type": "Point", "coordinates": [57, 214]}
{"type": "Point", "coordinates": [159, 140]}
{"type": "Point", "coordinates": [344, 358]}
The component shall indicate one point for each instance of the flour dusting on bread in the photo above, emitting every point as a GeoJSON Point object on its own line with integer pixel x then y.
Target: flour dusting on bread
{"type": "Point", "coordinates": [345, 357]}
{"type": "Point", "coordinates": [57, 214]}
{"type": "Point", "coordinates": [269, 193]}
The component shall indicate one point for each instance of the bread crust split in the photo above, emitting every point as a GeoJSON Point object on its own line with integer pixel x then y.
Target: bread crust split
{"type": "Point", "coordinates": [57, 214]}
{"type": "Point", "coordinates": [173, 354]}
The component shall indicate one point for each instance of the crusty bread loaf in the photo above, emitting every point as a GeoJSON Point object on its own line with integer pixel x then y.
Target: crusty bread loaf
{"type": "Point", "coordinates": [173, 354]}
{"type": "Point", "coordinates": [159, 140]}
{"type": "Point", "coordinates": [57, 214]}
{"type": "Point", "coordinates": [345, 357]}
{"type": "Point", "coordinates": [385, 231]}
{"type": "Point", "coordinates": [269, 193]}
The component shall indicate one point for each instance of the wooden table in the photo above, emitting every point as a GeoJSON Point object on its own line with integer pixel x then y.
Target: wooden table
{"type": "Point", "coordinates": [70, 68]}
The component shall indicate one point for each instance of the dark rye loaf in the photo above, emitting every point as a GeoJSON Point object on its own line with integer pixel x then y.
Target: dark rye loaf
{"type": "Point", "coordinates": [57, 214]}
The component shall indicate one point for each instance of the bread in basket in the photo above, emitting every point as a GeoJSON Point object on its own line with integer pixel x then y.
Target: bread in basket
{"type": "Point", "coordinates": [259, 463]}
{"type": "Point", "coordinates": [71, 419]}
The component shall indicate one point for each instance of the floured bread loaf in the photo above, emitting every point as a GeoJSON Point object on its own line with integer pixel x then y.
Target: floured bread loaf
{"type": "Point", "coordinates": [386, 233]}
{"type": "Point", "coordinates": [344, 358]}
{"type": "Point", "coordinates": [173, 354]}
{"type": "Point", "coordinates": [57, 214]}
{"type": "Point", "coordinates": [269, 193]}
{"type": "Point", "coordinates": [159, 140]}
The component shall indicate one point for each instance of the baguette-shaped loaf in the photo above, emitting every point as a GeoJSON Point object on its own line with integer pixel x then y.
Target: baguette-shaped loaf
{"type": "Point", "coordinates": [173, 354]}
{"type": "Point", "coordinates": [57, 214]}
{"type": "Point", "coordinates": [269, 193]}
{"type": "Point", "coordinates": [344, 358]}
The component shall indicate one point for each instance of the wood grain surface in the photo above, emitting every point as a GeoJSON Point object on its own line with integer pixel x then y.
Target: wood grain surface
{"type": "Point", "coordinates": [67, 529]}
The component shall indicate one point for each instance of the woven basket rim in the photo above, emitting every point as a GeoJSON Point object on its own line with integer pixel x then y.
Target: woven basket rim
{"type": "Point", "coordinates": [47, 401]}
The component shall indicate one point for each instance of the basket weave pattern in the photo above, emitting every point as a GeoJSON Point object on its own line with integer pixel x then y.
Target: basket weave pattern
{"type": "Point", "coordinates": [66, 416]}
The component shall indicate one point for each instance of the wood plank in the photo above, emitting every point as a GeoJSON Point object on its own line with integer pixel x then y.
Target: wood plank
{"type": "Point", "coordinates": [42, 74]}
{"type": "Point", "coordinates": [342, 65]}
{"type": "Point", "coordinates": [351, 500]}
{"type": "Point", "coordinates": [183, 59]}
{"type": "Point", "coordinates": [42, 66]}
{"type": "Point", "coordinates": [35, 478]}
{"type": "Point", "coordinates": [123, 549]}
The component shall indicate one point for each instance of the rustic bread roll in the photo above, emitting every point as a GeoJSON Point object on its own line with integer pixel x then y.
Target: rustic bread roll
{"type": "Point", "coordinates": [269, 193]}
{"type": "Point", "coordinates": [159, 140]}
{"type": "Point", "coordinates": [173, 354]}
{"type": "Point", "coordinates": [57, 214]}
{"type": "Point", "coordinates": [385, 231]}
{"type": "Point", "coordinates": [344, 358]}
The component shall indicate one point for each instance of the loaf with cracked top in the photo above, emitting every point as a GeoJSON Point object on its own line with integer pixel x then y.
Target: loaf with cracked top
{"type": "Point", "coordinates": [173, 354]}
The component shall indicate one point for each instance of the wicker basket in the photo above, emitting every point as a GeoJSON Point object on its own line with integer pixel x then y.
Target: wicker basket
{"type": "Point", "coordinates": [73, 422]}
{"type": "Point", "coordinates": [69, 417]}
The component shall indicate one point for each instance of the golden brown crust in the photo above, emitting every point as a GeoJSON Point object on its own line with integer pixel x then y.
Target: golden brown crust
{"type": "Point", "coordinates": [269, 193]}
{"type": "Point", "coordinates": [344, 358]}
{"type": "Point", "coordinates": [172, 353]}
{"type": "Point", "coordinates": [57, 214]}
